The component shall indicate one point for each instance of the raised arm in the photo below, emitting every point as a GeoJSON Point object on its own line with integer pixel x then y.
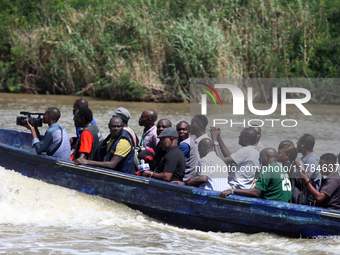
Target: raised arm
{"type": "Point", "coordinates": [216, 137]}
{"type": "Point", "coordinates": [220, 149]}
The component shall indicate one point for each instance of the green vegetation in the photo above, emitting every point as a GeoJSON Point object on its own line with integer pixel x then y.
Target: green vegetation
{"type": "Point", "coordinates": [149, 49]}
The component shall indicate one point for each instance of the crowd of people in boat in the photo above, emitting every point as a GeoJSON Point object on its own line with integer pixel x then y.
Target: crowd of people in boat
{"type": "Point", "coordinates": [186, 155]}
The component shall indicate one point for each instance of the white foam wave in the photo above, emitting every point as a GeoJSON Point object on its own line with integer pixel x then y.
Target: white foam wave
{"type": "Point", "coordinates": [25, 200]}
{"type": "Point", "coordinates": [36, 217]}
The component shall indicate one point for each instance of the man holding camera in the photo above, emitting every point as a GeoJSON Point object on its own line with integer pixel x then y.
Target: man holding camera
{"type": "Point", "coordinates": [56, 141]}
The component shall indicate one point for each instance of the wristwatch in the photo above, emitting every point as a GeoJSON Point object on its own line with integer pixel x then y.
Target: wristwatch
{"type": "Point", "coordinates": [216, 143]}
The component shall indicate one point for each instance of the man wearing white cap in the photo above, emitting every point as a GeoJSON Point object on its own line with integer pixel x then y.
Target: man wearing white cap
{"type": "Point", "coordinates": [172, 165]}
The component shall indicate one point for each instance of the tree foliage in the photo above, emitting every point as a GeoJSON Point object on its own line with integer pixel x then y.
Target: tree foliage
{"type": "Point", "coordinates": [149, 49]}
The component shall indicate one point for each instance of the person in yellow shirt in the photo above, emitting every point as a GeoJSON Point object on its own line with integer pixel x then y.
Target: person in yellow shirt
{"type": "Point", "coordinates": [116, 151]}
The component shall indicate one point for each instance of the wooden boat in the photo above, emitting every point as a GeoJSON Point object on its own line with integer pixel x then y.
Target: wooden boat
{"type": "Point", "coordinates": [178, 205]}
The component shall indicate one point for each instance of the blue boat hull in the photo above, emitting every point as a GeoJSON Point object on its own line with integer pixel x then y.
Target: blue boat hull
{"type": "Point", "coordinates": [174, 204]}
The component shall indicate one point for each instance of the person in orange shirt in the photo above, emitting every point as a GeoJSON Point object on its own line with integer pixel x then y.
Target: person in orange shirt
{"type": "Point", "coordinates": [90, 136]}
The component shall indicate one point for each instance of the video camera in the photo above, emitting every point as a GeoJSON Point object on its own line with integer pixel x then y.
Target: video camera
{"type": "Point", "coordinates": [35, 122]}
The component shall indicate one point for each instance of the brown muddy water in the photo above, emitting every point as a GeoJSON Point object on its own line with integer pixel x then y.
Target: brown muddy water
{"type": "Point", "coordinates": [36, 217]}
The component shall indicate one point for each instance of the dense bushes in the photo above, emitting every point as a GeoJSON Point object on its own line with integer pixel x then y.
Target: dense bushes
{"type": "Point", "coordinates": [148, 50]}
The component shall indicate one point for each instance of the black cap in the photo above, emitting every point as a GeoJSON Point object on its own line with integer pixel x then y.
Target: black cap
{"type": "Point", "coordinates": [169, 132]}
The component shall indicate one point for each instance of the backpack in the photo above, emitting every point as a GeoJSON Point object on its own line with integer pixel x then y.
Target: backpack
{"type": "Point", "coordinates": [300, 193]}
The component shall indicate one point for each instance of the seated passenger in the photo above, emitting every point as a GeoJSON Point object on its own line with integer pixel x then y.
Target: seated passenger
{"type": "Point", "coordinates": [90, 136]}
{"type": "Point", "coordinates": [159, 153]}
{"type": "Point", "coordinates": [125, 116]}
{"type": "Point", "coordinates": [286, 155]}
{"type": "Point", "coordinates": [211, 166]}
{"type": "Point", "coordinates": [116, 151]}
{"type": "Point", "coordinates": [329, 194]}
{"type": "Point", "coordinates": [79, 103]}
{"type": "Point", "coordinates": [187, 146]}
{"type": "Point", "coordinates": [197, 128]}
{"type": "Point", "coordinates": [273, 182]}
{"type": "Point", "coordinates": [245, 160]}
{"type": "Point", "coordinates": [259, 147]}
{"type": "Point", "coordinates": [172, 165]}
{"type": "Point", "coordinates": [305, 146]}
{"type": "Point", "coordinates": [149, 138]}
{"type": "Point", "coordinates": [56, 141]}
{"type": "Point", "coordinates": [258, 144]}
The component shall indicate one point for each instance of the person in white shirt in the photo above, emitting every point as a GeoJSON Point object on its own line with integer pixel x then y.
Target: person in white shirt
{"type": "Point", "coordinates": [212, 166]}
{"type": "Point", "coordinates": [197, 128]}
{"type": "Point", "coordinates": [245, 161]}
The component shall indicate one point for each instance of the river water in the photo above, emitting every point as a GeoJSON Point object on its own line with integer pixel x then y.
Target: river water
{"type": "Point", "coordinates": [36, 217]}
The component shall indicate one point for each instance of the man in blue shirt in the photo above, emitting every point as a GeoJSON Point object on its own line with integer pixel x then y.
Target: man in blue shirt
{"type": "Point", "coordinates": [56, 141]}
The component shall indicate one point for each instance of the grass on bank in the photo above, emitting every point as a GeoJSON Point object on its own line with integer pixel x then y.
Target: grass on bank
{"type": "Point", "coordinates": [148, 50]}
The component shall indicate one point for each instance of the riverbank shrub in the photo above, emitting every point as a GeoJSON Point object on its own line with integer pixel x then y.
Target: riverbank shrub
{"type": "Point", "coordinates": [149, 49]}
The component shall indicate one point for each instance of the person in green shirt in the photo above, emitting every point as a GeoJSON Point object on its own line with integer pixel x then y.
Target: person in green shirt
{"type": "Point", "coordinates": [273, 182]}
